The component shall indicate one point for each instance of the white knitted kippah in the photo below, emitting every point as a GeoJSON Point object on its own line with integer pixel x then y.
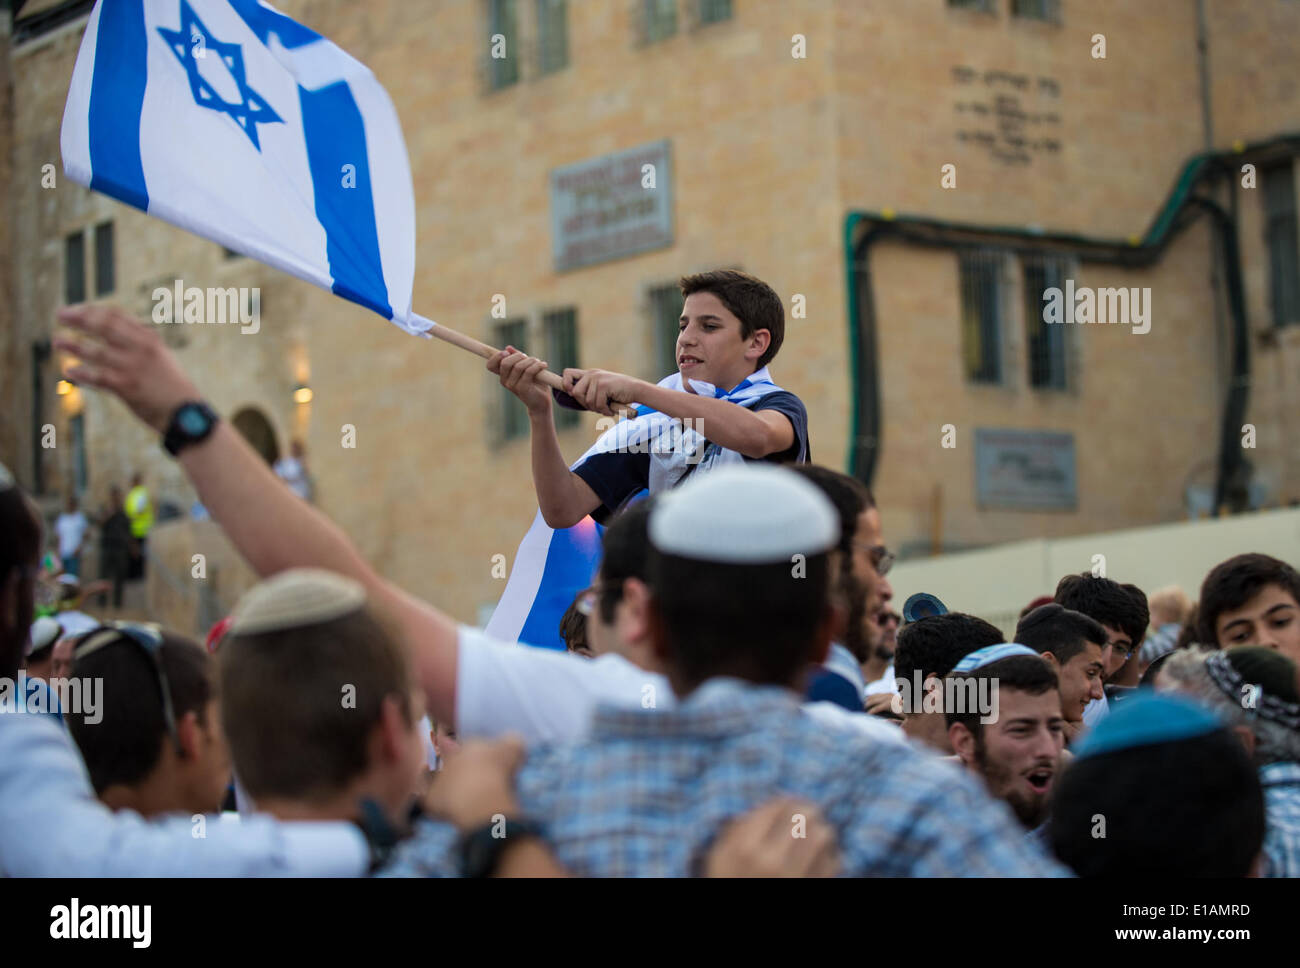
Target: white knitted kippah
{"type": "Point", "coordinates": [744, 515]}
{"type": "Point", "coordinates": [294, 598]}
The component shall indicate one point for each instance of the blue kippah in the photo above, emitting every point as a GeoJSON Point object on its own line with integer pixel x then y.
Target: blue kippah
{"type": "Point", "coordinates": [991, 653]}
{"type": "Point", "coordinates": [1156, 717]}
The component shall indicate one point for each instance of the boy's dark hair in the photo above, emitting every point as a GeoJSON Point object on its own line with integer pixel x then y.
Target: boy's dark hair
{"type": "Point", "coordinates": [1232, 583]}
{"type": "Point", "coordinates": [849, 495]}
{"type": "Point", "coordinates": [1025, 673]}
{"type": "Point", "coordinates": [573, 627]}
{"type": "Point", "coordinates": [290, 734]}
{"type": "Point", "coordinates": [754, 622]}
{"type": "Point", "coordinates": [624, 552]}
{"type": "Point", "coordinates": [750, 299]}
{"type": "Point", "coordinates": [1120, 606]}
{"type": "Point", "coordinates": [126, 744]}
{"type": "Point", "coordinates": [935, 644]}
{"type": "Point", "coordinates": [1059, 630]}
{"type": "Point", "coordinates": [20, 552]}
{"type": "Point", "coordinates": [1189, 808]}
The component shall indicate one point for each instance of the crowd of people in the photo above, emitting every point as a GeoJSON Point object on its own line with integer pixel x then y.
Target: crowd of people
{"type": "Point", "coordinates": [740, 697]}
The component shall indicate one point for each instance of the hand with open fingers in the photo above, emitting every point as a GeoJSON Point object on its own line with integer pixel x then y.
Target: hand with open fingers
{"type": "Point", "coordinates": [118, 353]}
{"type": "Point", "coordinates": [785, 837]}
{"type": "Point", "coordinates": [884, 704]}
{"type": "Point", "coordinates": [600, 390]}
{"type": "Point", "coordinates": [476, 782]}
{"type": "Point", "coordinates": [518, 372]}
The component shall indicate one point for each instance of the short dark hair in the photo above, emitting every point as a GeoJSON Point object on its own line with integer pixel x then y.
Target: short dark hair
{"type": "Point", "coordinates": [573, 626]}
{"type": "Point", "coordinates": [290, 733]}
{"type": "Point", "coordinates": [1024, 673]}
{"type": "Point", "coordinates": [126, 744]}
{"type": "Point", "coordinates": [1232, 583]}
{"type": "Point", "coordinates": [750, 299]}
{"type": "Point", "coordinates": [1188, 808]}
{"type": "Point", "coordinates": [20, 552]}
{"type": "Point", "coordinates": [933, 645]}
{"type": "Point", "coordinates": [624, 553]}
{"type": "Point", "coordinates": [1059, 630]}
{"type": "Point", "coordinates": [849, 495]}
{"type": "Point", "coordinates": [1120, 606]}
{"type": "Point", "coordinates": [754, 622]}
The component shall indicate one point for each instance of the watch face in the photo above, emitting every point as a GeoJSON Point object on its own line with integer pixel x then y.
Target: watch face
{"type": "Point", "coordinates": [191, 420]}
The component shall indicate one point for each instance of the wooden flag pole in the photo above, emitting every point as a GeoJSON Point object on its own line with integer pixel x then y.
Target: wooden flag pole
{"type": "Point", "coordinates": [469, 343]}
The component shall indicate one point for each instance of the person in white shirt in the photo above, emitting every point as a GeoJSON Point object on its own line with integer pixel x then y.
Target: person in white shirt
{"type": "Point", "coordinates": [478, 685]}
{"type": "Point", "coordinates": [70, 526]}
{"type": "Point", "coordinates": [292, 469]}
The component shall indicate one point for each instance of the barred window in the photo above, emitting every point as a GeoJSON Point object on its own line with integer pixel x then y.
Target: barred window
{"type": "Point", "coordinates": [513, 414]}
{"type": "Point", "coordinates": [665, 314]}
{"type": "Point", "coordinates": [502, 20]}
{"type": "Point", "coordinates": [713, 11]}
{"type": "Point", "coordinates": [74, 268]}
{"type": "Point", "coordinates": [1280, 234]}
{"type": "Point", "coordinates": [552, 36]}
{"type": "Point", "coordinates": [983, 6]}
{"type": "Point", "coordinates": [658, 20]}
{"type": "Point", "coordinates": [1049, 10]}
{"type": "Point", "coordinates": [1048, 363]}
{"type": "Point", "coordinates": [105, 280]}
{"type": "Point", "coordinates": [981, 315]}
{"type": "Point", "coordinates": [561, 331]}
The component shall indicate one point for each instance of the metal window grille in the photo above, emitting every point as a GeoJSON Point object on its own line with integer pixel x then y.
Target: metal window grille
{"type": "Point", "coordinates": [1049, 10]}
{"type": "Point", "coordinates": [982, 6]}
{"type": "Point", "coordinates": [502, 19]}
{"type": "Point", "coordinates": [1280, 233]}
{"type": "Point", "coordinates": [552, 36]}
{"type": "Point", "coordinates": [657, 20]}
{"type": "Point", "coordinates": [74, 268]}
{"type": "Point", "coordinates": [665, 311]}
{"type": "Point", "coordinates": [513, 415]}
{"type": "Point", "coordinates": [712, 11]}
{"type": "Point", "coordinates": [105, 280]}
{"type": "Point", "coordinates": [1047, 343]}
{"type": "Point", "coordinates": [981, 322]}
{"type": "Point", "coordinates": [561, 331]}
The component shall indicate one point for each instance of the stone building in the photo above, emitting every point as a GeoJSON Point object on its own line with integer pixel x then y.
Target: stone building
{"type": "Point", "coordinates": [910, 177]}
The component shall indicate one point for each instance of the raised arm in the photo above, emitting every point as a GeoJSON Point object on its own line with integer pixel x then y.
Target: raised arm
{"type": "Point", "coordinates": [563, 497]}
{"type": "Point", "coordinates": [269, 525]}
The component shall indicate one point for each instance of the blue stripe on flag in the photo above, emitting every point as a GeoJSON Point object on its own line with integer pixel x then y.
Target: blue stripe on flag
{"type": "Point", "coordinates": [116, 99]}
{"type": "Point", "coordinates": [336, 136]}
{"type": "Point", "coordinates": [571, 561]}
{"type": "Point", "coordinates": [264, 21]}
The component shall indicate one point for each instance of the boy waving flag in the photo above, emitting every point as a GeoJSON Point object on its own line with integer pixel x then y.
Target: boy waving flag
{"type": "Point", "coordinates": [720, 408]}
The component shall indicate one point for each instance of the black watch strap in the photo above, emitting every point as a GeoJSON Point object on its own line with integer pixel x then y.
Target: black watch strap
{"type": "Point", "coordinates": [193, 421]}
{"type": "Point", "coordinates": [481, 849]}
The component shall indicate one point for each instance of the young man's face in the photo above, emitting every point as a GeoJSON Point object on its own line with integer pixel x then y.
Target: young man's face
{"type": "Point", "coordinates": [1080, 681]}
{"type": "Point", "coordinates": [710, 346]}
{"type": "Point", "coordinates": [1116, 651]}
{"type": "Point", "coordinates": [1271, 619]}
{"type": "Point", "coordinates": [869, 536]}
{"type": "Point", "coordinates": [1019, 755]}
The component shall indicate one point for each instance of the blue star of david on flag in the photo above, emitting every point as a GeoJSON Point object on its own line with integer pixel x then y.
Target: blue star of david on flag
{"type": "Point", "coordinates": [194, 41]}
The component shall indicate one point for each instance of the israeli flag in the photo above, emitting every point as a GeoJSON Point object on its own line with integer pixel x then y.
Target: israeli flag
{"type": "Point", "coordinates": [234, 122]}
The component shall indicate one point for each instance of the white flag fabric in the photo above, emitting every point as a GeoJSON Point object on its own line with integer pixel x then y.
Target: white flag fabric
{"type": "Point", "coordinates": [232, 121]}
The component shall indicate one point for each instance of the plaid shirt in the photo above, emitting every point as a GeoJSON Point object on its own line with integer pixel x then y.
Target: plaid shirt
{"type": "Point", "coordinates": [1281, 782]}
{"type": "Point", "coordinates": [648, 792]}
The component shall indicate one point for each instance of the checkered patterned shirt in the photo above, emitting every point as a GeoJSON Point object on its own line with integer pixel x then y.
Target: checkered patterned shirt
{"type": "Point", "coordinates": [648, 792]}
{"type": "Point", "coordinates": [1281, 782]}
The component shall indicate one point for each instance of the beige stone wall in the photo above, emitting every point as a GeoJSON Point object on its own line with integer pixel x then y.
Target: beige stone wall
{"type": "Point", "coordinates": [769, 154]}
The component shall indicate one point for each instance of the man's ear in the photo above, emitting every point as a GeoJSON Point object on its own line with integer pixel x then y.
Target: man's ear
{"type": "Point", "coordinates": [190, 732]}
{"type": "Point", "coordinates": [1051, 660]}
{"type": "Point", "coordinates": [393, 727]}
{"type": "Point", "coordinates": [636, 611]}
{"type": "Point", "coordinates": [963, 742]}
{"type": "Point", "coordinates": [759, 341]}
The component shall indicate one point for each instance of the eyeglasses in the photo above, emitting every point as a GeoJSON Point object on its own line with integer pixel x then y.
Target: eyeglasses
{"type": "Point", "coordinates": [882, 559]}
{"type": "Point", "coordinates": [149, 639]}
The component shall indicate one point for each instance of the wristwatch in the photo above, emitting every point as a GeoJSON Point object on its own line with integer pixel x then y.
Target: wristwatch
{"type": "Point", "coordinates": [481, 849]}
{"type": "Point", "coordinates": [192, 422]}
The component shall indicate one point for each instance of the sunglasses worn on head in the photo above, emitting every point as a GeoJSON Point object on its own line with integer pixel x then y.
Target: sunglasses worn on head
{"type": "Point", "coordinates": [149, 640]}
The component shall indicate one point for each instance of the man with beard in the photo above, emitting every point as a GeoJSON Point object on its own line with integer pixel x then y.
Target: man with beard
{"type": "Point", "coordinates": [878, 669]}
{"type": "Point", "coordinates": [1014, 743]}
{"type": "Point", "coordinates": [859, 563]}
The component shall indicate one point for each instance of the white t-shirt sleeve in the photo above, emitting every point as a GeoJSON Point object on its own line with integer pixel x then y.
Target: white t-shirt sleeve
{"type": "Point", "coordinates": [542, 694]}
